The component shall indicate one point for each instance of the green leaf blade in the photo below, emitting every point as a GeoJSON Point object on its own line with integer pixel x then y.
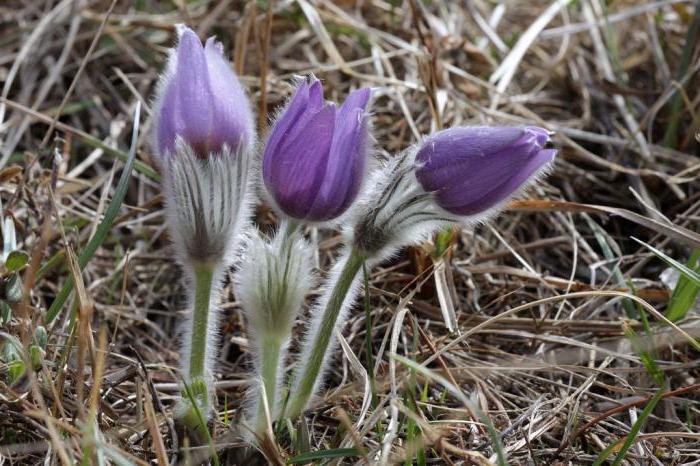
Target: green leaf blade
{"type": "Point", "coordinates": [323, 455]}
{"type": "Point", "coordinates": [685, 294]}
{"type": "Point", "coordinates": [16, 260]}
{"type": "Point", "coordinates": [685, 271]}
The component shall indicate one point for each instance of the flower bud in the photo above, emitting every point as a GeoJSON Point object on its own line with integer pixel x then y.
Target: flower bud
{"type": "Point", "coordinates": [272, 281]}
{"type": "Point", "coordinates": [473, 169]}
{"type": "Point", "coordinates": [201, 101]}
{"type": "Point", "coordinates": [315, 156]}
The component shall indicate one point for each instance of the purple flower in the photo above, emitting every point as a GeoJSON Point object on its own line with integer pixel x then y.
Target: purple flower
{"type": "Point", "coordinates": [316, 154]}
{"type": "Point", "coordinates": [472, 169]}
{"type": "Point", "coordinates": [201, 100]}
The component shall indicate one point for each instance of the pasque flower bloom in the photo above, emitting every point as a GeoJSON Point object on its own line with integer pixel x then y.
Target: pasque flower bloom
{"type": "Point", "coordinates": [458, 175]}
{"type": "Point", "coordinates": [316, 154]}
{"type": "Point", "coordinates": [472, 169]}
{"type": "Point", "coordinates": [204, 133]}
{"type": "Point", "coordinates": [201, 100]}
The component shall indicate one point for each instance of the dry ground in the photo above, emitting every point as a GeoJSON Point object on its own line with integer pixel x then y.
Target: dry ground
{"type": "Point", "coordinates": [549, 296]}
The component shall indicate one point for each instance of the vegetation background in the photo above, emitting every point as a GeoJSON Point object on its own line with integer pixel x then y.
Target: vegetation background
{"type": "Point", "coordinates": [577, 307]}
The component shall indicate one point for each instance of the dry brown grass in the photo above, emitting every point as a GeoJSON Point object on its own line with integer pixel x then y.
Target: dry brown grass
{"type": "Point", "coordinates": [542, 350]}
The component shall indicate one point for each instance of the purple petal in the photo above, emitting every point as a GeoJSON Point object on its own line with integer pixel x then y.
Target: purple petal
{"type": "Point", "coordinates": [193, 94]}
{"type": "Point", "coordinates": [541, 135]}
{"type": "Point", "coordinates": [473, 169]}
{"type": "Point", "coordinates": [167, 132]}
{"type": "Point", "coordinates": [496, 181]}
{"type": "Point", "coordinates": [287, 119]}
{"type": "Point", "coordinates": [315, 95]}
{"type": "Point", "coordinates": [470, 146]}
{"type": "Point", "coordinates": [357, 99]}
{"type": "Point", "coordinates": [314, 105]}
{"type": "Point", "coordinates": [346, 160]}
{"type": "Point", "coordinates": [462, 204]}
{"type": "Point", "coordinates": [295, 171]}
{"type": "Point", "coordinates": [346, 166]}
{"type": "Point", "coordinates": [463, 143]}
{"type": "Point", "coordinates": [232, 118]}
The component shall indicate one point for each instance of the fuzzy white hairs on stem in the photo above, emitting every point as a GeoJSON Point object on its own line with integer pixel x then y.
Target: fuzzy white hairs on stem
{"type": "Point", "coordinates": [317, 325]}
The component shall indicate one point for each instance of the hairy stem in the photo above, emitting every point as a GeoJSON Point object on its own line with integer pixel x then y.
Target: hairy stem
{"type": "Point", "coordinates": [195, 395]}
{"type": "Point", "coordinates": [203, 276]}
{"type": "Point", "coordinates": [270, 349]}
{"type": "Point", "coordinates": [316, 347]}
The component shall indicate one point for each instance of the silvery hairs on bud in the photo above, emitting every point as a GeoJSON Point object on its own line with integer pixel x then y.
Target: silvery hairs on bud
{"type": "Point", "coordinates": [395, 212]}
{"type": "Point", "coordinates": [207, 204]}
{"type": "Point", "coordinates": [272, 280]}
